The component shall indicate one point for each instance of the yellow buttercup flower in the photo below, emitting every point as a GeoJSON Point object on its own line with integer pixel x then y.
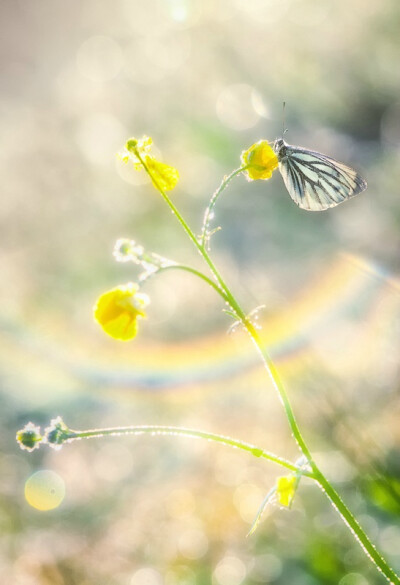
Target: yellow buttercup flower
{"type": "Point", "coordinates": [118, 310]}
{"type": "Point", "coordinates": [138, 152]}
{"type": "Point", "coordinates": [285, 489]}
{"type": "Point", "coordinates": [261, 161]}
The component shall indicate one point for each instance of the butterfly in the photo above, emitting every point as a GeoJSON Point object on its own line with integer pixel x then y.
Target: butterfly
{"type": "Point", "coordinates": [315, 181]}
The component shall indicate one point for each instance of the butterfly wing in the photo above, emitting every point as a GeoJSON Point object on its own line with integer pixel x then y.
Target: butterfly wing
{"type": "Point", "coordinates": [316, 182]}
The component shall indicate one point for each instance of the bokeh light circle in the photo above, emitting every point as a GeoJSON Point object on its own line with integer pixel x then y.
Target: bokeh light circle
{"type": "Point", "coordinates": [235, 106]}
{"type": "Point", "coordinates": [99, 58]}
{"type": "Point", "coordinates": [229, 571]}
{"type": "Point", "coordinates": [44, 490]}
{"type": "Point", "coordinates": [353, 579]}
{"type": "Point", "coordinates": [193, 544]}
{"type": "Point", "coordinates": [267, 568]}
{"type": "Point", "coordinates": [146, 576]}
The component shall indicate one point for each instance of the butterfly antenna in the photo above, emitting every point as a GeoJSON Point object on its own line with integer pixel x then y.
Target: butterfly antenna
{"type": "Point", "coordinates": [284, 130]}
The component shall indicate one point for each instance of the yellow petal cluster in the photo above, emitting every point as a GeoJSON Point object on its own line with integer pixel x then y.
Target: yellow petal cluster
{"type": "Point", "coordinates": [286, 489]}
{"type": "Point", "coordinates": [165, 176]}
{"type": "Point", "coordinates": [138, 152]}
{"type": "Point", "coordinates": [118, 310]}
{"type": "Point", "coordinates": [260, 160]}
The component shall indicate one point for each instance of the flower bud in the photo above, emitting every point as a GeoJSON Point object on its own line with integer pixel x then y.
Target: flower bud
{"type": "Point", "coordinates": [29, 438]}
{"type": "Point", "coordinates": [126, 250]}
{"type": "Point", "coordinates": [57, 433]}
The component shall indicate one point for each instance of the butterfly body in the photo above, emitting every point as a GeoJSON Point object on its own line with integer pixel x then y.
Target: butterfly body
{"type": "Point", "coordinates": [315, 181]}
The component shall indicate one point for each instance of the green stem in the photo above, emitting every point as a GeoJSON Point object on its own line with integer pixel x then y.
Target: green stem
{"type": "Point", "coordinates": [183, 223]}
{"type": "Point", "coordinates": [174, 431]}
{"type": "Point", "coordinates": [209, 211]}
{"type": "Point", "coordinates": [193, 271]}
{"type": "Point", "coordinates": [279, 387]}
{"type": "Point", "coordinates": [335, 499]}
{"type": "Point", "coordinates": [355, 527]}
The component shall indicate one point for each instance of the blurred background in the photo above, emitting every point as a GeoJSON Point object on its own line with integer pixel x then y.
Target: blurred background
{"type": "Point", "coordinates": [205, 79]}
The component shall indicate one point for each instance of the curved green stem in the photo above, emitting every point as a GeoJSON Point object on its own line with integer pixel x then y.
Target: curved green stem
{"type": "Point", "coordinates": [209, 211]}
{"type": "Point", "coordinates": [331, 493]}
{"type": "Point", "coordinates": [200, 248]}
{"type": "Point", "coordinates": [72, 435]}
{"type": "Point", "coordinates": [177, 266]}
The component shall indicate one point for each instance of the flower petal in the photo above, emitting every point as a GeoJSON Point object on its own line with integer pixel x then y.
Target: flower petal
{"type": "Point", "coordinates": [165, 176]}
{"type": "Point", "coordinates": [285, 489]}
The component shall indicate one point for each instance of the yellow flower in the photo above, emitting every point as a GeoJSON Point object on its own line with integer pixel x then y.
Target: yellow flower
{"type": "Point", "coordinates": [118, 310]}
{"type": "Point", "coordinates": [165, 176]}
{"type": "Point", "coordinates": [135, 150]}
{"type": "Point", "coordinates": [261, 161]}
{"type": "Point", "coordinates": [138, 152]}
{"type": "Point", "coordinates": [285, 489]}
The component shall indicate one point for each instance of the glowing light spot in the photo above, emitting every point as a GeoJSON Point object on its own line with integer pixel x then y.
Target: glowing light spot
{"type": "Point", "coordinates": [44, 490]}
{"type": "Point", "coordinates": [229, 571]}
{"type": "Point", "coordinates": [259, 104]}
{"type": "Point", "coordinates": [186, 12]}
{"type": "Point", "coordinates": [235, 107]}
{"type": "Point", "coordinates": [390, 540]}
{"type": "Point", "coordinates": [99, 58]}
{"type": "Point", "coordinates": [247, 499]}
{"type": "Point", "coordinates": [353, 579]}
{"type": "Point", "coordinates": [267, 568]}
{"type": "Point", "coordinates": [146, 576]}
{"type": "Point", "coordinates": [178, 10]}
{"type": "Point", "coordinates": [193, 544]}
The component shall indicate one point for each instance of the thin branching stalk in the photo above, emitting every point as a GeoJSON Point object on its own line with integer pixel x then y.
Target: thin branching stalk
{"type": "Point", "coordinates": [205, 232]}
{"type": "Point", "coordinates": [176, 266]}
{"type": "Point", "coordinates": [228, 297]}
{"type": "Point", "coordinates": [162, 430]}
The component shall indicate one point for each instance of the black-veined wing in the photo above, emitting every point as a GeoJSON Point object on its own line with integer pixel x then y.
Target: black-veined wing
{"type": "Point", "coordinates": [316, 182]}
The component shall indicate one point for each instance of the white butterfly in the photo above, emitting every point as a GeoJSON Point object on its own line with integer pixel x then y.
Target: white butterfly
{"type": "Point", "coordinates": [316, 182]}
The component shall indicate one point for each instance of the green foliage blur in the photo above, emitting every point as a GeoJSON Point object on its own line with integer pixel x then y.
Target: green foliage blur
{"type": "Point", "coordinates": [206, 79]}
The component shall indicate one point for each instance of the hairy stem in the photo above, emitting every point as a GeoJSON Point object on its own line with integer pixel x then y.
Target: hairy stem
{"type": "Point", "coordinates": [161, 430]}
{"type": "Point", "coordinates": [210, 208]}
